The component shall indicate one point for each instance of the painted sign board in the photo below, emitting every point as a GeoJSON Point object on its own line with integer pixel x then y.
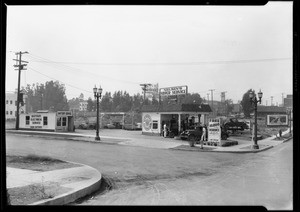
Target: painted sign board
{"type": "Point", "coordinates": [214, 131]}
{"type": "Point", "coordinates": [64, 113]}
{"type": "Point", "coordinates": [147, 121]}
{"type": "Point", "coordinates": [277, 120]}
{"type": "Point", "coordinates": [170, 91]}
{"type": "Point", "coordinates": [36, 121]}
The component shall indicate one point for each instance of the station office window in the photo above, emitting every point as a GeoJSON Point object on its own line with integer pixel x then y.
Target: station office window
{"type": "Point", "coordinates": [27, 120]}
{"type": "Point", "coordinates": [45, 120]}
{"type": "Point", "coordinates": [64, 121]}
{"type": "Point", "coordinates": [155, 125]}
{"type": "Point", "coordinates": [58, 122]}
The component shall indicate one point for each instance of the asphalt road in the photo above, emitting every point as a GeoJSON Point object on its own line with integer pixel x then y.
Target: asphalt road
{"type": "Point", "coordinates": [145, 176]}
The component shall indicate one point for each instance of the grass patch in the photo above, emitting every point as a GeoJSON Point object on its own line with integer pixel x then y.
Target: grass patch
{"type": "Point", "coordinates": [37, 163]}
{"type": "Point", "coordinates": [31, 158]}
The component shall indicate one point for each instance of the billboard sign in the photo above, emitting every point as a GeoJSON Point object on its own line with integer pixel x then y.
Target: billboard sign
{"type": "Point", "coordinates": [214, 131]}
{"type": "Point", "coordinates": [171, 91]}
{"type": "Point", "coordinates": [152, 91]}
{"type": "Point", "coordinates": [277, 120]}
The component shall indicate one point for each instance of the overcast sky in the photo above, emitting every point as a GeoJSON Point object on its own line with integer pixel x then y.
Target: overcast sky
{"type": "Point", "coordinates": [226, 48]}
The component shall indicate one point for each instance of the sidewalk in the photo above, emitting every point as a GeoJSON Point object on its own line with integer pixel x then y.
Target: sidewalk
{"type": "Point", "coordinates": [244, 145]}
{"type": "Point", "coordinates": [67, 184]}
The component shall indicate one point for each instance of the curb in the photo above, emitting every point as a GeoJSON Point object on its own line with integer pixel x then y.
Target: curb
{"type": "Point", "coordinates": [244, 151]}
{"type": "Point", "coordinates": [287, 139]}
{"type": "Point", "coordinates": [73, 195]}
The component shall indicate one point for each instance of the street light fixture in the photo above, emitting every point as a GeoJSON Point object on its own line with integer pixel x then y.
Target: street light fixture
{"type": "Point", "coordinates": [254, 100]}
{"type": "Point", "coordinates": [97, 95]}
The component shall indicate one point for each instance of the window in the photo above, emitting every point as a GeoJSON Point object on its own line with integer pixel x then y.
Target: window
{"type": "Point", "coordinates": [6, 112]}
{"type": "Point", "coordinates": [58, 122]}
{"type": "Point", "coordinates": [27, 118]}
{"type": "Point", "coordinates": [16, 103]}
{"type": "Point", "coordinates": [11, 102]}
{"type": "Point", "coordinates": [10, 112]}
{"type": "Point", "coordinates": [16, 113]}
{"type": "Point", "coordinates": [6, 101]}
{"type": "Point", "coordinates": [155, 125]}
{"type": "Point", "coordinates": [64, 121]}
{"type": "Point", "coordinates": [45, 120]}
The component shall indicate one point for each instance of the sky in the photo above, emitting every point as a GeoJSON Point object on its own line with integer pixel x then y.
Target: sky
{"type": "Point", "coordinates": [226, 48]}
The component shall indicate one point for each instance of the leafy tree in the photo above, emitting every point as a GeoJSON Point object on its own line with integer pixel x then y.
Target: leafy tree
{"type": "Point", "coordinates": [229, 106]}
{"type": "Point", "coordinates": [50, 95]}
{"type": "Point", "coordinates": [106, 102]}
{"type": "Point", "coordinates": [247, 106]}
{"type": "Point", "coordinates": [91, 105]}
{"type": "Point", "coordinates": [194, 98]}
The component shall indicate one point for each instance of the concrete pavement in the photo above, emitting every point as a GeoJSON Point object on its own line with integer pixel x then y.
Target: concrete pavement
{"type": "Point", "coordinates": [81, 181]}
{"type": "Point", "coordinates": [67, 184]}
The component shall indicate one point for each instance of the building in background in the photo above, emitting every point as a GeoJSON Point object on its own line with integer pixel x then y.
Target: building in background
{"type": "Point", "coordinates": [11, 105]}
{"type": "Point", "coordinates": [288, 101]}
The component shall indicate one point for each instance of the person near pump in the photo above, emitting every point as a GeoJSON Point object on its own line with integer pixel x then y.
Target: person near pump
{"type": "Point", "coordinates": [203, 136]}
{"type": "Point", "coordinates": [165, 130]}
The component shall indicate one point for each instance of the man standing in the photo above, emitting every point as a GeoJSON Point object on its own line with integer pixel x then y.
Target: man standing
{"type": "Point", "coordinates": [165, 130]}
{"type": "Point", "coordinates": [203, 136]}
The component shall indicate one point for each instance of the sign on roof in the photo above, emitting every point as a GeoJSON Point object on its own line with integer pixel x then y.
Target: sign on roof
{"type": "Point", "coordinates": [170, 91]}
{"type": "Point", "coordinates": [64, 113]}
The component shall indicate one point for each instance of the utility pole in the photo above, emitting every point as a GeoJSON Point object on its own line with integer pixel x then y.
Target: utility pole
{"type": "Point", "coordinates": [212, 100]}
{"type": "Point", "coordinates": [20, 68]}
{"type": "Point", "coordinates": [282, 99]}
{"type": "Point", "coordinates": [144, 88]}
{"type": "Point", "coordinates": [207, 97]}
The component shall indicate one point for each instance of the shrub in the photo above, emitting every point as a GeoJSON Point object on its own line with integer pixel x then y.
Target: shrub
{"type": "Point", "coordinates": [230, 143]}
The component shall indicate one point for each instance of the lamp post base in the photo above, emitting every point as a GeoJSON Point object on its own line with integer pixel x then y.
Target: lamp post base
{"type": "Point", "coordinates": [97, 138]}
{"type": "Point", "coordinates": [255, 146]}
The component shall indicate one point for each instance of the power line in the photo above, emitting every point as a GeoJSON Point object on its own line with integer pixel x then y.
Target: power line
{"type": "Point", "coordinates": [69, 68]}
{"type": "Point", "coordinates": [166, 63]}
{"type": "Point", "coordinates": [60, 81]}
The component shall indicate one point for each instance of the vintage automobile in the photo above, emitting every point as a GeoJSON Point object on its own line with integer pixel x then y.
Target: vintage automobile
{"type": "Point", "coordinates": [195, 135]}
{"type": "Point", "coordinates": [115, 125]}
{"type": "Point", "coordinates": [234, 124]}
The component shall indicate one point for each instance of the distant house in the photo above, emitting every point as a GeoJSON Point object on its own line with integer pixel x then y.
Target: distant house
{"type": "Point", "coordinates": [11, 105]}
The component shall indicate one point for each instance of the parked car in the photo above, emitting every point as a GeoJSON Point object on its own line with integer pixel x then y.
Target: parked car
{"type": "Point", "coordinates": [83, 125]}
{"type": "Point", "coordinates": [136, 126]}
{"type": "Point", "coordinates": [115, 125]}
{"type": "Point", "coordinates": [234, 124]}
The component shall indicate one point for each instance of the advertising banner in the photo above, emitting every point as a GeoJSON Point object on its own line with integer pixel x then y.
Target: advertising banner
{"type": "Point", "coordinates": [277, 120]}
{"type": "Point", "coordinates": [214, 131]}
{"type": "Point", "coordinates": [170, 91]}
{"type": "Point", "coordinates": [36, 121]}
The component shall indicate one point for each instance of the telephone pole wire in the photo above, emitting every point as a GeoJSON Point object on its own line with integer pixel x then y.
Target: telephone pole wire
{"type": "Point", "coordinates": [20, 68]}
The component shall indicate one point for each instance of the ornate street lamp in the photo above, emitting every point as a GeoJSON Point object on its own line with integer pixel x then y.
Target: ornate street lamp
{"type": "Point", "coordinates": [97, 95]}
{"type": "Point", "coordinates": [254, 100]}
